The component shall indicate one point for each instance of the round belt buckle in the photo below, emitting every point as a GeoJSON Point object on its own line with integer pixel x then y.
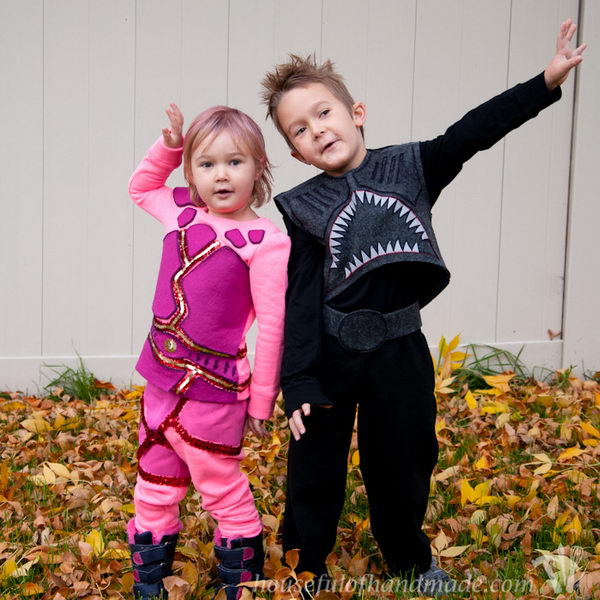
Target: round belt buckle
{"type": "Point", "coordinates": [362, 330]}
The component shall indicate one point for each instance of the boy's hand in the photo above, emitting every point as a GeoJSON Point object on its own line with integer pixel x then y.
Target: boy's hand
{"type": "Point", "coordinates": [172, 137]}
{"type": "Point", "coordinates": [256, 427]}
{"type": "Point", "coordinates": [295, 421]}
{"type": "Point", "coordinates": [565, 59]}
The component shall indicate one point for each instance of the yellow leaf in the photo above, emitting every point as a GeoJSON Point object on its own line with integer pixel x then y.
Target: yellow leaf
{"type": "Point", "coordinates": [355, 458]}
{"type": "Point", "coordinates": [589, 428]}
{"type": "Point", "coordinates": [570, 453]}
{"type": "Point", "coordinates": [60, 470]}
{"type": "Point", "coordinates": [499, 381]}
{"type": "Point", "coordinates": [254, 480]}
{"type": "Point", "coordinates": [128, 508]}
{"type": "Point", "coordinates": [511, 499]}
{"type": "Point", "coordinates": [49, 476]}
{"type": "Point", "coordinates": [453, 551]}
{"type": "Point", "coordinates": [454, 342]}
{"type": "Point", "coordinates": [471, 402]}
{"type": "Point", "coordinates": [36, 425]}
{"type": "Point", "coordinates": [95, 540]}
{"type": "Point", "coordinates": [467, 493]}
{"type": "Point", "coordinates": [590, 442]}
{"type": "Point", "coordinates": [490, 392]}
{"type": "Point", "coordinates": [482, 463]}
{"type": "Point", "coordinates": [574, 525]}
{"type": "Point", "coordinates": [188, 551]}
{"type": "Point", "coordinates": [8, 568]}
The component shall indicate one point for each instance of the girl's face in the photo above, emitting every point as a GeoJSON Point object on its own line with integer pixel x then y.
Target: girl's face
{"type": "Point", "coordinates": [224, 174]}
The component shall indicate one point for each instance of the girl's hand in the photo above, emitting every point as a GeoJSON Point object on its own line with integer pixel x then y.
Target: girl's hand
{"type": "Point", "coordinates": [256, 427]}
{"type": "Point", "coordinates": [172, 137]}
{"type": "Point", "coordinates": [565, 59]}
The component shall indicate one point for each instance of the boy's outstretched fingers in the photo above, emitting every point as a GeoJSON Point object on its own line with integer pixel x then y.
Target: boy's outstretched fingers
{"type": "Point", "coordinates": [565, 58]}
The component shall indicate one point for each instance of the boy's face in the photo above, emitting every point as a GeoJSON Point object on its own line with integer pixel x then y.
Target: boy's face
{"type": "Point", "coordinates": [321, 129]}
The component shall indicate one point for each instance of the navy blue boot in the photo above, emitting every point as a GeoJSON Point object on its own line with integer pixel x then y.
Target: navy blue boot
{"type": "Point", "coordinates": [240, 560]}
{"type": "Point", "coordinates": [151, 562]}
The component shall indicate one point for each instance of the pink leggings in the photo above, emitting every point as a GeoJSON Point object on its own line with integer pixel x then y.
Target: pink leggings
{"type": "Point", "coordinates": [172, 455]}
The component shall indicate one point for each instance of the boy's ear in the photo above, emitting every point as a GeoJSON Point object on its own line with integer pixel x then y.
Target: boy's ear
{"type": "Point", "coordinates": [299, 157]}
{"type": "Point", "coordinates": [359, 113]}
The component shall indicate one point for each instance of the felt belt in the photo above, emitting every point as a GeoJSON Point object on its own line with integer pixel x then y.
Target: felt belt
{"type": "Point", "coordinates": [366, 330]}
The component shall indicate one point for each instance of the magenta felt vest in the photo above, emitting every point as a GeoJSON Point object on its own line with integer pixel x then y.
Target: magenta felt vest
{"type": "Point", "coordinates": [200, 308]}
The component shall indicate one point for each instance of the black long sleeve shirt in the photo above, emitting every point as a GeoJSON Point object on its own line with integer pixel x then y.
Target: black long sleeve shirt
{"type": "Point", "coordinates": [442, 159]}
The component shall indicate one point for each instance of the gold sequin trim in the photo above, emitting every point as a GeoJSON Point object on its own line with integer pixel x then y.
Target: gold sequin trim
{"type": "Point", "coordinates": [194, 372]}
{"type": "Point", "coordinates": [171, 325]}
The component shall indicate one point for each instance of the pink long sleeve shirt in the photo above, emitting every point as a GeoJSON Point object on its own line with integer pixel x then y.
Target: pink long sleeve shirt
{"type": "Point", "coordinates": [217, 275]}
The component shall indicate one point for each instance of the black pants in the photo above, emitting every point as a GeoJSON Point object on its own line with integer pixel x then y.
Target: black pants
{"type": "Point", "coordinates": [393, 389]}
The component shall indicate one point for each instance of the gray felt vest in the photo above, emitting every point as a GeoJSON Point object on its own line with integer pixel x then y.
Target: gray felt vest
{"type": "Point", "coordinates": [374, 215]}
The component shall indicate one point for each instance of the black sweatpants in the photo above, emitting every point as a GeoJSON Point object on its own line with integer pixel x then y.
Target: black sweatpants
{"type": "Point", "coordinates": [393, 389]}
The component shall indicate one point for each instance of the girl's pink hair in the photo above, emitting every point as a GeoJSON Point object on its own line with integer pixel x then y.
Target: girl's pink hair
{"type": "Point", "coordinates": [245, 132]}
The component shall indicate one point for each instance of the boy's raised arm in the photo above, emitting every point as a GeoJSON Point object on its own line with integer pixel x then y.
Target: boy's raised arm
{"type": "Point", "coordinates": [443, 157]}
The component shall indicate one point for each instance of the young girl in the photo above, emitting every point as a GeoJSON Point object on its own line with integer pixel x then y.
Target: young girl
{"type": "Point", "coordinates": [222, 266]}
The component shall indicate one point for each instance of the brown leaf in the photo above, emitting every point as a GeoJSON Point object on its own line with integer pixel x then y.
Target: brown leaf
{"type": "Point", "coordinates": [291, 558]}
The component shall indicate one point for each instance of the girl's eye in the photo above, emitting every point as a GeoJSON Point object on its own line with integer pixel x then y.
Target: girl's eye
{"type": "Point", "coordinates": [235, 161]}
{"type": "Point", "coordinates": [206, 164]}
{"type": "Point", "coordinates": [325, 112]}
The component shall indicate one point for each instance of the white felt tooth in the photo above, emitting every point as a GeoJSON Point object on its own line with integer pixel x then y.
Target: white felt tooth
{"type": "Point", "coordinates": [336, 234]}
{"type": "Point", "coordinates": [357, 262]}
{"type": "Point", "coordinates": [412, 221]}
{"type": "Point", "coordinates": [360, 195]}
{"type": "Point", "coordinates": [389, 247]}
{"type": "Point", "coordinates": [377, 199]}
{"type": "Point", "coordinates": [374, 253]}
{"type": "Point", "coordinates": [403, 211]}
{"type": "Point", "coordinates": [369, 197]}
{"type": "Point", "coordinates": [380, 249]}
{"type": "Point", "coordinates": [397, 246]}
{"type": "Point", "coordinates": [419, 229]}
{"type": "Point", "coordinates": [334, 264]}
{"type": "Point", "coordinates": [425, 236]}
{"type": "Point", "coordinates": [391, 202]}
{"type": "Point", "coordinates": [406, 248]}
{"type": "Point", "coordinates": [338, 227]}
{"type": "Point", "coordinates": [347, 272]}
{"type": "Point", "coordinates": [365, 256]}
{"type": "Point", "coordinates": [415, 248]}
{"type": "Point", "coordinates": [350, 210]}
{"type": "Point", "coordinates": [335, 243]}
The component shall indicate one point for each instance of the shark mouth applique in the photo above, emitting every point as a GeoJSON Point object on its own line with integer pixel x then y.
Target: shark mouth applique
{"type": "Point", "coordinates": [382, 225]}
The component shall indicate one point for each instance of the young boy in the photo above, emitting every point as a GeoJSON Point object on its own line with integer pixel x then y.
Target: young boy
{"type": "Point", "coordinates": [364, 260]}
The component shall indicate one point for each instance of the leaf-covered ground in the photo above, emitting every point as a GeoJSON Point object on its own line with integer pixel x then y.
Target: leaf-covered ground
{"type": "Point", "coordinates": [513, 512]}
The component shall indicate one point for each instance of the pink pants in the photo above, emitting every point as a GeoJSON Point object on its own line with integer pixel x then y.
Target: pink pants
{"type": "Point", "coordinates": [183, 441]}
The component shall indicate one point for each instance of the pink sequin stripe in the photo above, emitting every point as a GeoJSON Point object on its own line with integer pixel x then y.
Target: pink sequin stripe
{"type": "Point", "coordinates": [158, 437]}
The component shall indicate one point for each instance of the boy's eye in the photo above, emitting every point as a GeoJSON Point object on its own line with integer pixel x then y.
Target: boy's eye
{"type": "Point", "coordinates": [300, 130]}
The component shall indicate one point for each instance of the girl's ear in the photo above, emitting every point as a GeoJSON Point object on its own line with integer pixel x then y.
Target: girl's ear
{"type": "Point", "coordinates": [359, 113]}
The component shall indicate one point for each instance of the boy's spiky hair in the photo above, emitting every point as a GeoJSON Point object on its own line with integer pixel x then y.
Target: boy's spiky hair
{"type": "Point", "coordinates": [301, 71]}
